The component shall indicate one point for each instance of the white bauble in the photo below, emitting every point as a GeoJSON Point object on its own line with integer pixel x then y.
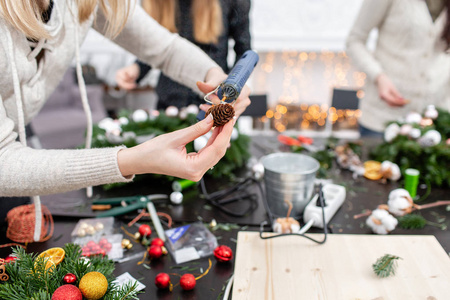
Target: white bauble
{"type": "Point", "coordinates": [106, 124]}
{"type": "Point", "coordinates": [258, 170]}
{"type": "Point", "coordinates": [139, 115]}
{"type": "Point", "coordinates": [200, 142]}
{"type": "Point", "coordinates": [391, 132]}
{"type": "Point", "coordinates": [192, 109]}
{"type": "Point", "coordinates": [183, 114]}
{"type": "Point", "coordinates": [434, 135]}
{"type": "Point", "coordinates": [176, 197]}
{"type": "Point", "coordinates": [123, 121]}
{"type": "Point", "coordinates": [431, 112]}
{"type": "Point", "coordinates": [415, 133]}
{"type": "Point", "coordinates": [172, 111]}
{"type": "Point", "coordinates": [405, 129]}
{"type": "Point", "coordinates": [413, 118]}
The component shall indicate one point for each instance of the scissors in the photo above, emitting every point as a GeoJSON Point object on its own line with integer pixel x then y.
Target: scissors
{"type": "Point", "coordinates": [131, 203]}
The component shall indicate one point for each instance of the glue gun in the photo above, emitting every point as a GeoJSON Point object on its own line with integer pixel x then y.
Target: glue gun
{"type": "Point", "coordinates": [231, 88]}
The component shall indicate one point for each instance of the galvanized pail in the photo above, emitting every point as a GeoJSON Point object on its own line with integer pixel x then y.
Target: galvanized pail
{"type": "Point", "coordinates": [288, 176]}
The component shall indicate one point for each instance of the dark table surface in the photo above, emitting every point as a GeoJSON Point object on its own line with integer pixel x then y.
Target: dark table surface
{"type": "Point", "coordinates": [362, 194]}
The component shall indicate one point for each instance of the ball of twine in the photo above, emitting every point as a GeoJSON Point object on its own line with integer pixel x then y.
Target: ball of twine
{"type": "Point", "coordinates": [21, 223]}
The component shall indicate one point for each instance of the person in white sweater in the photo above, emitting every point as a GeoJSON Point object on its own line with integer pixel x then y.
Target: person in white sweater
{"type": "Point", "coordinates": [410, 67]}
{"type": "Point", "coordinates": [35, 53]}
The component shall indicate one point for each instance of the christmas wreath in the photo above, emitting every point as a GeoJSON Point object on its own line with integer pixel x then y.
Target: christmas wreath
{"type": "Point", "coordinates": [133, 128]}
{"type": "Point", "coordinates": [61, 273]}
{"type": "Point", "coordinates": [420, 142]}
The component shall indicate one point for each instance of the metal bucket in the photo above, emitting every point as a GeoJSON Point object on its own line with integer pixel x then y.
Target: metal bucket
{"type": "Point", "coordinates": [288, 176]}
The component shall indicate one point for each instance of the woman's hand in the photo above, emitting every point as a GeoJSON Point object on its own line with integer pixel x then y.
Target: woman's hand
{"type": "Point", "coordinates": [388, 92]}
{"type": "Point", "coordinates": [126, 77]}
{"type": "Point", "coordinates": [216, 76]}
{"type": "Point", "coordinates": [166, 154]}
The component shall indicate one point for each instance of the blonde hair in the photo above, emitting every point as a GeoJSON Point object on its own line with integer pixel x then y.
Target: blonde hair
{"type": "Point", "coordinates": [25, 15]}
{"type": "Point", "coordinates": [206, 16]}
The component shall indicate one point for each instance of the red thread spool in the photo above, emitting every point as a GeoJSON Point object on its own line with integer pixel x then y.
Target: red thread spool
{"type": "Point", "coordinates": [21, 224]}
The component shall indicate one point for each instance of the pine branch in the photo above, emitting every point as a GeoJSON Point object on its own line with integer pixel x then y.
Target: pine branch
{"type": "Point", "coordinates": [412, 221]}
{"type": "Point", "coordinates": [385, 266]}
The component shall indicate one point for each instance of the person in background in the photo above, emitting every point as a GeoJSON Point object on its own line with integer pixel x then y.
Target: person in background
{"type": "Point", "coordinates": [410, 67]}
{"type": "Point", "coordinates": [39, 40]}
{"type": "Point", "coordinates": [209, 24]}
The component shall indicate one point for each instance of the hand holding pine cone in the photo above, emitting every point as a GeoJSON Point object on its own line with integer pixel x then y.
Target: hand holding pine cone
{"type": "Point", "coordinates": [222, 113]}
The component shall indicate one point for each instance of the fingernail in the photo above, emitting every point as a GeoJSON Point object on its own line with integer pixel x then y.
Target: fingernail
{"type": "Point", "coordinates": [209, 119]}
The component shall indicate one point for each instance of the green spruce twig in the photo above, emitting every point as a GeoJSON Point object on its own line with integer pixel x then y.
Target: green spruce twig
{"type": "Point", "coordinates": [385, 266]}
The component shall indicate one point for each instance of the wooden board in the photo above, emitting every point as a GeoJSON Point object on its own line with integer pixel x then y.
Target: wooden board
{"type": "Point", "coordinates": [296, 268]}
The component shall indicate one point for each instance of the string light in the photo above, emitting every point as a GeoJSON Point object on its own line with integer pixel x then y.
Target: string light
{"type": "Point", "coordinates": [298, 104]}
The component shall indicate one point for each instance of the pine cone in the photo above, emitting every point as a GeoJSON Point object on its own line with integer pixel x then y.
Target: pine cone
{"type": "Point", "coordinates": [222, 113]}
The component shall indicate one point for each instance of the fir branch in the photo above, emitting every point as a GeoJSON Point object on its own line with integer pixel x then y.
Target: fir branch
{"type": "Point", "coordinates": [385, 266]}
{"type": "Point", "coordinates": [412, 221]}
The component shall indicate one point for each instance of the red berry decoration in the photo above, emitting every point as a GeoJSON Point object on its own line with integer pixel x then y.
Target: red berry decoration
{"type": "Point", "coordinates": [10, 258]}
{"type": "Point", "coordinates": [67, 292]}
{"type": "Point", "coordinates": [70, 278]}
{"type": "Point", "coordinates": [162, 280]}
{"type": "Point", "coordinates": [223, 253]}
{"type": "Point", "coordinates": [145, 230]}
{"type": "Point", "coordinates": [155, 252]}
{"type": "Point", "coordinates": [187, 282]}
{"type": "Point", "coordinates": [157, 242]}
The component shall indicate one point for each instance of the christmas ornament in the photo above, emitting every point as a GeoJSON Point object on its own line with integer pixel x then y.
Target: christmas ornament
{"type": "Point", "coordinates": [145, 230]}
{"type": "Point", "coordinates": [69, 278]}
{"type": "Point", "coordinates": [391, 132]}
{"type": "Point", "coordinates": [171, 111]}
{"type": "Point", "coordinates": [176, 197]}
{"type": "Point", "coordinates": [126, 244]}
{"type": "Point", "coordinates": [162, 281]}
{"type": "Point", "coordinates": [234, 134]}
{"type": "Point", "coordinates": [221, 113]}
{"type": "Point", "coordinates": [187, 282]}
{"type": "Point", "coordinates": [415, 133]}
{"type": "Point", "coordinates": [52, 257]}
{"type": "Point", "coordinates": [413, 118]}
{"type": "Point", "coordinates": [93, 285]}
{"type": "Point", "coordinates": [200, 142]}
{"type": "Point", "coordinates": [10, 258]}
{"type": "Point", "coordinates": [223, 253]}
{"type": "Point", "coordinates": [155, 252]}
{"type": "Point", "coordinates": [67, 292]}
{"type": "Point", "coordinates": [3, 275]}
{"type": "Point", "coordinates": [157, 242]}
{"type": "Point", "coordinates": [139, 115]}
{"type": "Point", "coordinates": [192, 109]}
{"type": "Point", "coordinates": [431, 112]}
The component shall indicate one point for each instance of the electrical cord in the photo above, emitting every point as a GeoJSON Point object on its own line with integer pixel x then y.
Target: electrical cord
{"type": "Point", "coordinates": [302, 233]}
{"type": "Point", "coordinates": [236, 193]}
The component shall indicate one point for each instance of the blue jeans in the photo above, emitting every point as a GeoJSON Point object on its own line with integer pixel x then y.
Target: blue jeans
{"type": "Point", "coordinates": [366, 132]}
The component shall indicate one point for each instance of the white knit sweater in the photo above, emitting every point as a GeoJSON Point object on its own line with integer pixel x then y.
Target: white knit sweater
{"type": "Point", "coordinates": [25, 86]}
{"type": "Point", "coordinates": [409, 51]}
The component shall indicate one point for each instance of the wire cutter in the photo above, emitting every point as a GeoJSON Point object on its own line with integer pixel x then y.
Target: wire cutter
{"type": "Point", "coordinates": [131, 203]}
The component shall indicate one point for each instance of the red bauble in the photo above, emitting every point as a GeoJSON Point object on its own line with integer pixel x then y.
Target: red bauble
{"type": "Point", "coordinates": [145, 230]}
{"type": "Point", "coordinates": [155, 252]}
{"type": "Point", "coordinates": [162, 280]}
{"type": "Point", "coordinates": [223, 253]}
{"type": "Point", "coordinates": [157, 242]}
{"type": "Point", "coordinates": [70, 278]}
{"type": "Point", "coordinates": [187, 282]}
{"type": "Point", "coordinates": [10, 258]}
{"type": "Point", "coordinates": [67, 292]}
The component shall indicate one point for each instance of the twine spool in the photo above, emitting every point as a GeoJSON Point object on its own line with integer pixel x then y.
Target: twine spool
{"type": "Point", "coordinates": [21, 223]}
